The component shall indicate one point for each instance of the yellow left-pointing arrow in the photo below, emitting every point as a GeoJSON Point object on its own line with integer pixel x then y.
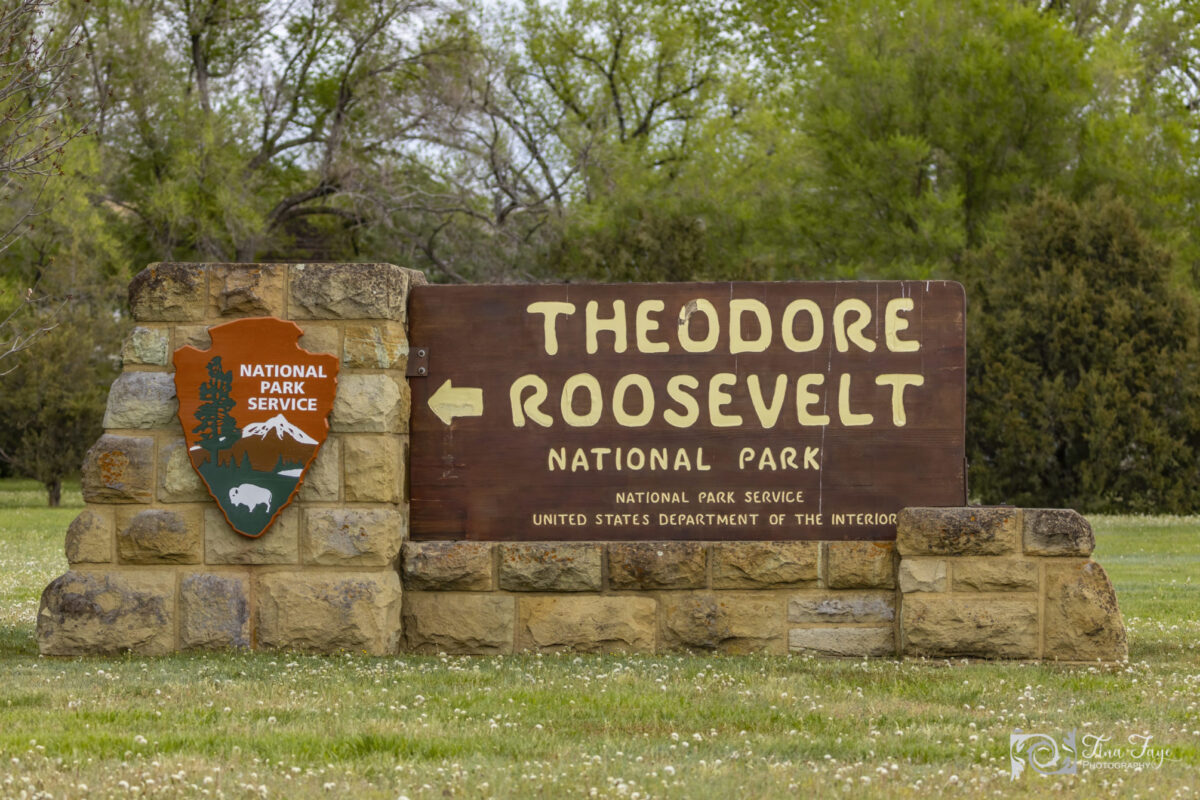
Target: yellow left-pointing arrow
{"type": "Point", "coordinates": [448, 402]}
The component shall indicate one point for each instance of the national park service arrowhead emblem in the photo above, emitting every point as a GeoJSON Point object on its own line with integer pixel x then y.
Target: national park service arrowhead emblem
{"type": "Point", "coordinates": [255, 411]}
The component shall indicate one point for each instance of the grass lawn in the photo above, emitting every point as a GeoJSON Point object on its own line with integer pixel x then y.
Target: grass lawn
{"type": "Point", "coordinates": [283, 725]}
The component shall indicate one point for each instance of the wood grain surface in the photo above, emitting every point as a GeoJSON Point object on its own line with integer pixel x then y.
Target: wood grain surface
{"type": "Point", "coordinates": [489, 463]}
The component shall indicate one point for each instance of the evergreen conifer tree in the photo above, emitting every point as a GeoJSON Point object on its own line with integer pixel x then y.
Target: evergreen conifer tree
{"type": "Point", "coordinates": [1083, 383]}
{"type": "Point", "coordinates": [218, 429]}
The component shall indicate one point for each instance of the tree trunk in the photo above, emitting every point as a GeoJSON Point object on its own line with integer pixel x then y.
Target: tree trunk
{"type": "Point", "coordinates": [54, 492]}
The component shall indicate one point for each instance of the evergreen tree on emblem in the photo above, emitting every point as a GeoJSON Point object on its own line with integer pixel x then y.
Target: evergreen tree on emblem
{"type": "Point", "coordinates": [218, 429]}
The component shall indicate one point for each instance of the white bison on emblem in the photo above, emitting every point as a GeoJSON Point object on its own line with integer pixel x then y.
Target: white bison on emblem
{"type": "Point", "coordinates": [250, 496]}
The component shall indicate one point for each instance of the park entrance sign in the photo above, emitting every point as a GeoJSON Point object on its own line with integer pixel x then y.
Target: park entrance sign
{"type": "Point", "coordinates": [254, 409]}
{"type": "Point", "coordinates": [714, 411]}
{"type": "Point", "coordinates": [728, 467]}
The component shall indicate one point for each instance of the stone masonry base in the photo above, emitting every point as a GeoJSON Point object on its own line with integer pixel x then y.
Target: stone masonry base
{"type": "Point", "coordinates": [960, 582]}
{"type": "Point", "coordinates": [997, 583]}
{"type": "Point", "coordinates": [836, 598]}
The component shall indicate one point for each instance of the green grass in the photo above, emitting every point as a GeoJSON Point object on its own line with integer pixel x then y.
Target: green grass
{"type": "Point", "coordinates": [283, 725]}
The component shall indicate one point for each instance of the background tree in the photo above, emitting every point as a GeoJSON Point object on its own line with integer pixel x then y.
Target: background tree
{"type": "Point", "coordinates": [1084, 370]}
{"type": "Point", "coordinates": [39, 47]}
{"type": "Point", "coordinates": [918, 120]}
{"type": "Point", "coordinates": [242, 129]}
{"type": "Point", "coordinates": [53, 401]}
{"type": "Point", "coordinates": [72, 254]}
{"type": "Point", "coordinates": [548, 115]}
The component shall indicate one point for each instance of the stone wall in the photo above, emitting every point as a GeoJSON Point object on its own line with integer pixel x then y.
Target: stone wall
{"type": "Point", "coordinates": [155, 568]}
{"type": "Point", "coordinates": [1004, 583]}
{"type": "Point", "coordinates": [960, 582]}
{"type": "Point", "coordinates": [833, 598]}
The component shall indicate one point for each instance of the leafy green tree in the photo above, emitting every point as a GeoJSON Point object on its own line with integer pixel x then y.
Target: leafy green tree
{"type": "Point", "coordinates": [53, 400]}
{"type": "Point", "coordinates": [558, 120]}
{"type": "Point", "coordinates": [921, 119]}
{"type": "Point", "coordinates": [39, 48]}
{"type": "Point", "coordinates": [1083, 366]}
{"type": "Point", "coordinates": [71, 257]}
{"type": "Point", "coordinates": [1138, 137]}
{"type": "Point", "coordinates": [243, 129]}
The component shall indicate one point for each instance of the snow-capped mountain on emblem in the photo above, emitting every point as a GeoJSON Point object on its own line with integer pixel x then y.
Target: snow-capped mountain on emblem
{"type": "Point", "coordinates": [275, 445]}
{"type": "Point", "coordinates": [280, 426]}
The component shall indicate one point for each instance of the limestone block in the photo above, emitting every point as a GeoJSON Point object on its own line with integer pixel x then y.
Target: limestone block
{"type": "Point", "coordinates": [466, 566]}
{"type": "Point", "coordinates": [279, 544]}
{"type": "Point", "coordinates": [586, 623]}
{"type": "Point", "coordinates": [1083, 622]}
{"type": "Point", "coordinates": [119, 469]}
{"type": "Point", "coordinates": [757, 565]}
{"type": "Point", "coordinates": [1057, 532]}
{"type": "Point", "coordinates": [854, 642]}
{"type": "Point", "coordinates": [322, 337]}
{"type": "Point", "coordinates": [247, 290]}
{"type": "Point", "coordinates": [196, 336]}
{"type": "Point", "coordinates": [214, 611]}
{"type": "Point", "coordinates": [449, 622]}
{"type": "Point", "coordinates": [373, 466]}
{"type": "Point", "coordinates": [149, 346]}
{"type": "Point", "coordinates": [731, 622]}
{"type": "Point", "coordinates": [922, 575]}
{"type": "Point", "coordinates": [323, 611]}
{"type": "Point", "coordinates": [323, 481]}
{"type": "Point", "coordinates": [842, 607]}
{"type": "Point", "coordinates": [375, 345]}
{"type": "Point", "coordinates": [362, 537]}
{"type": "Point", "coordinates": [972, 531]}
{"type": "Point", "coordinates": [995, 575]}
{"type": "Point", "coordinates": [351, 291]}
{"type": "Point", "coordinates": [657, 565]}
{"type": "Point", "coordinates": [371, 403]}
{"type": "Point", "coordinates": [142, 400]}
{"type": "Point", "coordinates": [98, 613]}
{"type": "Point", "coordinates": [169, 292]}
{"type": "Point", "coordinates": [860, 565]}
{"type": "Point", "coordinates": [550, 567]}
{"type": "Point", "coordinates": [159, 536]}
{"type": "Point", "coordinates": [178, 481]}
{"type": "Point", "coordinates": [942, 626]}
{"type": "Point", "coordinates": [90, 535]}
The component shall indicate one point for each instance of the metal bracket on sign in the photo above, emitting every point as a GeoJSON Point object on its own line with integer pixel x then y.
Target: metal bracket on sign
{"type": "Point", "coordinates": [418, 362]}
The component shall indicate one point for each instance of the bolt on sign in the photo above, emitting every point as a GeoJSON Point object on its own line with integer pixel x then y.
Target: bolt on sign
{"type": "Point", "coordinates": [254, 409]}
{"type": "Point", "coordinates": [685, 411]}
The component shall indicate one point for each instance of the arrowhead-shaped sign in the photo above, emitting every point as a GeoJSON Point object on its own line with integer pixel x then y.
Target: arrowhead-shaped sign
{"type": "Point", "coordinates": [448, 402]}
{"type": "Point", "coordinates": [254, 409]}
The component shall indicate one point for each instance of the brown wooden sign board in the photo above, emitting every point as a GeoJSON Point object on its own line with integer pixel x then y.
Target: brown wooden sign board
{"type": "Point", "coordinates": [254, 409]}
{"type": "Point", "coordinates": [685, 411]}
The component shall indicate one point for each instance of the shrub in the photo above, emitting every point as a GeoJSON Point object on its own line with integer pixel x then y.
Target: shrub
{"type": "Point", "coordinates": [1083, 385]}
